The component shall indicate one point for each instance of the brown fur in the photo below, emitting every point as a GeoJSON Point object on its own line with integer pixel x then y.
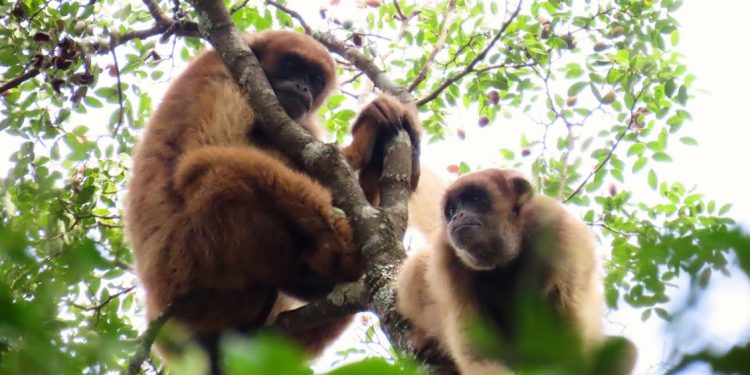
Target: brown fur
{"type": "Point", "coordinates": [221, 222]}
{"type": "Point", "coordinates": [365, 153]}
{"type": "Point", "coordinates": [440, 291]}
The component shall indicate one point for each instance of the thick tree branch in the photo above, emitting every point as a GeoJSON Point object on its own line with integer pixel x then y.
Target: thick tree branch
{"type": "Point", "coordinates": [447, 22]}
{"type": "Point", "coordinates": [372, 228]}
{"type": "Point", "coordinates": [380, 78]}
{"type": "Point", "coordinates": [156, 12]}
{"type": "Point", "coordinates": [346, 299]}
{"type": "Point", "coordinates": [470, 68]}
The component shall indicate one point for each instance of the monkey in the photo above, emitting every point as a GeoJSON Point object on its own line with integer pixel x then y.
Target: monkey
{"type": "Point", "coordinates": [499, 247]}
{"type": "Point", "coordinates": [225, 227]}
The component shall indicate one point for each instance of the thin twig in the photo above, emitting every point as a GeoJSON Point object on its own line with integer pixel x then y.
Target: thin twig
{"type": "Point", "coordinates": [120, 99]}
{"type": "Point", "coordinates": [401, 15]}
{"type": "Point", "coordinates": [97, 309]}
{"type": "Point", "coordinates": [470, 68]}
{"type": "Point", "coordinates": [611, 150]}
{"type": "Point", "coordinates": [237, 7]}
{"type": "Point", "coordinates": [447, 22]}
{"type": "Point", "coordinates": [292, 13]}
{"type": "Point", "coordinates": [350, 80]}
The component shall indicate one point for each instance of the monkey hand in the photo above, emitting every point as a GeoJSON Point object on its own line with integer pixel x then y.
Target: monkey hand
{"type": "Point", "coordinates": [331, 255]}
{"type": "Point", "coordinates": [379, 121]}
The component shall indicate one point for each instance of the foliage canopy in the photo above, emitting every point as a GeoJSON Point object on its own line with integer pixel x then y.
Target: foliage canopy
{"type": "Point", "coordinates": [602, 81]}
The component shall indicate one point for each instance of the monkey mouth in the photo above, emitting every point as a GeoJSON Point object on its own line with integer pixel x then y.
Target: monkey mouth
{"type": "Point", "coordinates": [463, 226]}
{"type": "Point", "coordinates": [295, 105]}
{"type": "Point", "coordinates": [467, 223]}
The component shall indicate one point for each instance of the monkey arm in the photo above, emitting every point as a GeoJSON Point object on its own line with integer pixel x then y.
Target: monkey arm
{"type": "Point", "coordinates": [264, 207]}
{"type": "Point", "coordinates": [377, 122]}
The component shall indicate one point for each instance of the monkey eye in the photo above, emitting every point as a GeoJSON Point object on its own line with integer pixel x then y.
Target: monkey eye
{"type": "Point", "coordinates": [317, 80]}
{"type": "Point", "coordinates": [449, 211]}
{"type": "Point", "coordinates": [289, 65]}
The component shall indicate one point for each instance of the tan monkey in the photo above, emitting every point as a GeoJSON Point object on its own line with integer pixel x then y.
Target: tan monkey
{"type": "Point", "coordinates": [500, 246]}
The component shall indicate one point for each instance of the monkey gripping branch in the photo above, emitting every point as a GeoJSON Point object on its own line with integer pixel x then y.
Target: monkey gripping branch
{"type": "Point", "coordinates": [377, 232]}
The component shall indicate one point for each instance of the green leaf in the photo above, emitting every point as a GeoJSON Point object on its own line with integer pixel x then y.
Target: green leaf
{"type": "Point", "coordinates": [652, 180]}
{"type": "Point", "coordinates": [662, 313]}
{"type": "Point", "coordinates": [636, 149]}
{"type": "Point", "coordinates": [724, 209]}
{"type": "Point", "coordinates": [682, 95]}
{"type": "Point", "coordinates": [639, 164]}
{"type": "Point", "coordinates": [661, 156]}
{"type": "Point", "coordinates": [645, 315]}
{"type": "Point", "coordinates": [576, 88]}
{"type": "Point", "coordinates": [92, 102]}
{"type": "Point", "coordinates": [689, 141]}
{"type": "Point", "coordinates": [507, 154]}
{"type": "Point", "coordinates": [669, 88]}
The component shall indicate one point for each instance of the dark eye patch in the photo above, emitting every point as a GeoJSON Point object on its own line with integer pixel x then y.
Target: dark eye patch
{"type": "Point", "coordinates": [476, 197]}
{"type": "Point", "coordinates": [450, 209]}
{"type": "Point", "coordinates": [293, 65]}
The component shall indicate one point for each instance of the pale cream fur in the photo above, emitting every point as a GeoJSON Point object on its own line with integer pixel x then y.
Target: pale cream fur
{"type": "Point", "coordinates": [437, 299]}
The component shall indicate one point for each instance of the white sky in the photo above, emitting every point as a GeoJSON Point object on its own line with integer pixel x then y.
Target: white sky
{"type": "Point", "coordinates": [713, 37]}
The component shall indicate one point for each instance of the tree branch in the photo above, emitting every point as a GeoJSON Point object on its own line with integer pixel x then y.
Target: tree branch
{"type": "Point", "coordinates": [611, 149]}
{"type": "Point", "coordinates": [447, 22]}
{"type": "Point", "coordinates": [293, 14]}
{"type": "Point", "coordinates": [119, 92]}
{"type": "Point", "coordinates": [146, 340]}
{"type": "Point", "coordinates": [163, 24]}
{"type": "Point", "coordinates": [237, 7]}
{"type": "Point", "coordinates": [380, 78]}
{"type": "Point", "coordinates": [470, 68]}
{"type": "Point", "coordinates": [373, 228]}
{"type": "Point", "coordinates": [346, 299]}
{"type": "Point", "coordinates": [15, 82]}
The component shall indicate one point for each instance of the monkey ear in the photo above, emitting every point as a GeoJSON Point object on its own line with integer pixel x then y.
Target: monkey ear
{"type": "Point", "coordinates": [523, 188]}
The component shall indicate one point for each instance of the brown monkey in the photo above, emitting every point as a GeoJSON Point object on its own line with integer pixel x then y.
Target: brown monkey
{"type": "Point", "coordinates": [500, 246]}
{"type": "Point", "coordinates": [223, 224]}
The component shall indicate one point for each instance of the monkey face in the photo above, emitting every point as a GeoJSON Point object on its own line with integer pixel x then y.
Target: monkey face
{"type": "Point", "coordinates": [297, 84]}
{"type": "Point", "coordinates": [481, 218]}
{"type": "Point", "coordinates": [300, 70]}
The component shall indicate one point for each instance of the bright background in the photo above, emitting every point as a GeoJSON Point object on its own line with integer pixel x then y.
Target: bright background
{"type": "Point", "coordinates": [713, 39]}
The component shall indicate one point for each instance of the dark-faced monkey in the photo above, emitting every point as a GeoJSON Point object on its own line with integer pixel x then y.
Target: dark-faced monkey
{"type": "Point", "coordinates": [224, 225]}
{"type": "Point", "coordinates": [501, 248]}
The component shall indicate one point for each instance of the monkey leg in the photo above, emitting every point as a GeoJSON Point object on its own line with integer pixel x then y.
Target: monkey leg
{"type": "Point", "coordinates": [270, 215]}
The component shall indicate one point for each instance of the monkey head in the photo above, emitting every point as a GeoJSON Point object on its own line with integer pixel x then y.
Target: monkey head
{"type": "Point", "coordinates": [301, 71]}
{"type": "Point", "coordinates": [482, 217]}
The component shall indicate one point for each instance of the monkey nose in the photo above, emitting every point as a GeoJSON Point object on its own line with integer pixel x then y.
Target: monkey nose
{"type": "Point", "coordinates": [302, 87]}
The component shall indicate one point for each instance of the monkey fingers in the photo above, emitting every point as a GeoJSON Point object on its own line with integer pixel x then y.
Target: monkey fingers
{"type": "Point", "coordinates": [379, 121]}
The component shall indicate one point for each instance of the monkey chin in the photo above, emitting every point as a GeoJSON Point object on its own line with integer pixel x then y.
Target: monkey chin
{"type": "Point", "coordinates": [484, 257]}
{"type": "Point", "coordinates": [481, 251]}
